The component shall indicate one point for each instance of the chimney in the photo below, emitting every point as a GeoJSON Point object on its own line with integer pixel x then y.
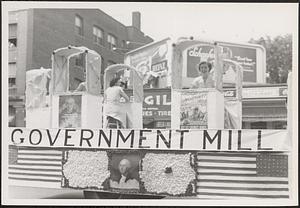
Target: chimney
{"type": "Point", "coordinates": [136, 20]}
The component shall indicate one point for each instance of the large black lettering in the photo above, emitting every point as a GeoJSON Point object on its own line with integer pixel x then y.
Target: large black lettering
{"type": "Point", "coordinates": [240, 141]}
{"type": "Point", "coordinates": [259, 142]}
{"type": "Point", "coordinates": [103, 135]}
{"type": "Point", "coordinates": [160, 135]}
{"type": "Point", "coordinates": [21, 140]}
{"type": "Point", "coordinates": [143, 138]}
{"type": "Point", "coordinates": [67, 136]}
{"type": "Point", "coordinates": [39, 137]}
{"type": "Point", "coordinates": [120, 135]}
{"type": "Point", "coordinates": [229, 139]}
{"type": "Point", "coordinates": [211, 140]}
{"type": "Point", "coordinates": [87, 139]}
{"type": "Point", "coordinates": [51, 142]}
{"type": "Point", "coordinates": [182, 136]}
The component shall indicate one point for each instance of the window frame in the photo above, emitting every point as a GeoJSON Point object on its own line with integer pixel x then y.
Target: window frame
{"type": "Point", "coordinates": [13, 36]}
{"type": "Point", "coordinates": [79, 29]}
{"type": "Point", "coordinates": [111, 37]}
{"type": "Point", "coordinates": [97, 39]}
{"type": "Point", "coordinates": [14, 83]}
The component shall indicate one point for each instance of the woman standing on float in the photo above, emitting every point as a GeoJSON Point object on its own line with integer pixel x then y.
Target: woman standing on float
{"type": "Point", "coordinates": [114, 112]}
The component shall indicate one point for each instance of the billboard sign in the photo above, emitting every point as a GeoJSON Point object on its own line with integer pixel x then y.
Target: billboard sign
{"type": "Point", "coordinates": [152, 62]}
{"type": "Point", "coordinates": [245, 55]}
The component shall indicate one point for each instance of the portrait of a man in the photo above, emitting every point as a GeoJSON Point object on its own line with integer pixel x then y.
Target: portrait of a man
{"type": "Point", "coordinates": [124, 174]}
{"type": "Point", "coordinates": [69, 111]}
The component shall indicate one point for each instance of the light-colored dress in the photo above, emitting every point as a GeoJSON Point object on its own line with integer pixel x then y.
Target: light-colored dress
{"type": "Point", "coordinates": [199, 82]}
{"type": "Point", "coordinates": [113, 107]}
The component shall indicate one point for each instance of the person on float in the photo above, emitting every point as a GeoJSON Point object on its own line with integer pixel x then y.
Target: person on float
{"type": "Point", "coordinates": [112, 96]}
{"type": "Point", "coordinates": [205, 78]}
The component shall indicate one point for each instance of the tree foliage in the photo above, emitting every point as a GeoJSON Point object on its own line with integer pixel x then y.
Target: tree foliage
{"type": "Point", "coordinates": [278, 56]}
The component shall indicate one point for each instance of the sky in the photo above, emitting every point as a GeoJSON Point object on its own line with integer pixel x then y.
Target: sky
{"type": "Point", "coordinates": [216, 21]}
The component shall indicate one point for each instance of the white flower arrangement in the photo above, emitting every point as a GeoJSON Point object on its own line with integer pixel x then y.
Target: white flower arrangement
{"type": "Point", "coordinates": [86, 168]}
{"type": "Point", "coordinates": [167, 173]}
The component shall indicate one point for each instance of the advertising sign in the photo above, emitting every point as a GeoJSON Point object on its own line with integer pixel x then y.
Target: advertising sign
{"type": "Point", "coordinates": [69, 111]}
{"type": "Point", "coordinates": [245, 56]}
{"type": "Point", "coordinates": [152, 63]}
{"type": "Point", "coordinates": [193, 110]}
{"type": "Point", "coordinates": [258, 92]}
{"type": "Point", "coordinates": [157, 104]}
{"type": "Point", "coordinates": [264, 92]}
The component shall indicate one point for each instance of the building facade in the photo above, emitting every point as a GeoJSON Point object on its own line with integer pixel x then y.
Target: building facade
{"type": "Point", "coordinates": [35, 33]}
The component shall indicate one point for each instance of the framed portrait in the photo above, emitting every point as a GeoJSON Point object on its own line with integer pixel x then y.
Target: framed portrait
{"type": "Point", "coordinates": [124, 167]}
{"type": "Point", "coordinates": [70, 111]}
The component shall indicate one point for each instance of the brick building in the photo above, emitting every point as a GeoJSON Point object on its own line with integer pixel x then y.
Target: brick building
{"type": "Point", "coordinates": [35, 33]}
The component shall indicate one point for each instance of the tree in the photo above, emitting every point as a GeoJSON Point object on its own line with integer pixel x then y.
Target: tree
{"type": "Point", "coordinates": [278, 56]}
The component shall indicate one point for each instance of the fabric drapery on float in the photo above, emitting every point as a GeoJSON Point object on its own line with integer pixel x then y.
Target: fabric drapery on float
{"type": "Point", "coordinates": [233, 106]}
{"type": "Point", "coordinates": [36, 87]}
{"type": "Point", "coordinates": [232, 117]}
{"type": "Point", "coordinates": [60, 66]}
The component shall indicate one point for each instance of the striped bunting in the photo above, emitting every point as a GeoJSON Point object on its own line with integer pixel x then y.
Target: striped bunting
{"type": "Point", "coordinates": [222, 175]}
{"type": "Point", "coordinates": [35, 167]}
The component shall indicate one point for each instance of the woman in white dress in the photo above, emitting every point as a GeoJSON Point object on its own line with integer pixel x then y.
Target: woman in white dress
{"type": "Point", "coordinates": [205, 79]}
{"type": "Point", "coordinates": [113, 107]}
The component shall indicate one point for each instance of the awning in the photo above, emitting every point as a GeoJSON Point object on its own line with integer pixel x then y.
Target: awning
{"type": "Point", "coordinates": [268, 113]}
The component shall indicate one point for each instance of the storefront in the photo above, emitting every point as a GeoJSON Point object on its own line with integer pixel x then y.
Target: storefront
{"type": "Point", "coordinates": [264, 107]}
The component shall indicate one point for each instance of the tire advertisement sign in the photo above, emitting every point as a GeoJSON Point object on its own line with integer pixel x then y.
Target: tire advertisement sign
{"type": "Point", "coordinates": [157, 104]}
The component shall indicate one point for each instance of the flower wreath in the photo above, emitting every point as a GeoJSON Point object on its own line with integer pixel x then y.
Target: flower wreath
{"type": "Point", "coordinates": [167, 173]}
{"type": "Point", "coordinates": [84, 169]}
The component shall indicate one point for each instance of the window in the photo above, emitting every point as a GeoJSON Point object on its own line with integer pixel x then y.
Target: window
{"type": "Point", "coordinates": [79, 60]}
{"type": "Point", "coordinates": [98, 35]}
{"type": "Point", "coordinates": [12, 116]}
{"type": "Point", "coordinates": [12, 41]}
{"type": "Point", "coordinates": [12, 82]}
{"type": "Point", "coordinates": [112, 41]}
{"type": "Point", "coordinates": [12, 69]}
{"type": "Point", "coordinates": [110, 63]}
{"type": "Point", "coordinates": [279, 124]}
{"type": "Point", "coordinates": [259, 125]}
{"type": "Point", "coordinates": [79, 25]}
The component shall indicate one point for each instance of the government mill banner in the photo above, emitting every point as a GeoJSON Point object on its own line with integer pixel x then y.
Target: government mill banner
{"type": "Point", "coordinates": [206, 164]}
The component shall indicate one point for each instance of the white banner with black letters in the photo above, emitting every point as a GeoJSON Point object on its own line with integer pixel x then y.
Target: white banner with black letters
{"type": "Point", "coordinates": [174, 139]}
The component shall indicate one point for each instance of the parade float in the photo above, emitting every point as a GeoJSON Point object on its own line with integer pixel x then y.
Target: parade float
{"type": "Point", "coordinates": [66, 143]}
